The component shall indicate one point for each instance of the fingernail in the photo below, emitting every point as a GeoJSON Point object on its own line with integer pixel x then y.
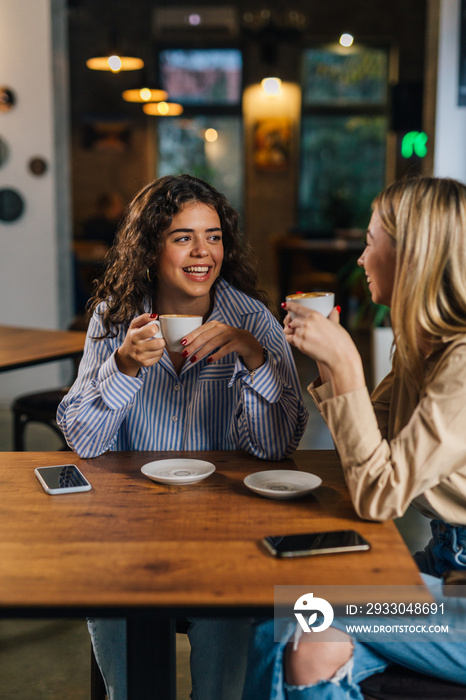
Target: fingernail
{"type": "Point", "coordinates": [209, 360]}
{"type": "Point", "coordinates": [154, 315]}
{"type": "Point", "coordinates": [299, 292]}
{"type": "Point", "coordinates": [193, 358]}
{"type": "Point", "coordinates": [283, 304]}
{"type": "Point", "coordinates": [338, 308]}
{"type": "Point", "coordinates": [184, 341]}
{"type": "Point", "coordinates": [185, 353]}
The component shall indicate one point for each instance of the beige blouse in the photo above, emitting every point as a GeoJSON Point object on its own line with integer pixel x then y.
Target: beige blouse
{"type": "Point", "coordinates": [403, 445]}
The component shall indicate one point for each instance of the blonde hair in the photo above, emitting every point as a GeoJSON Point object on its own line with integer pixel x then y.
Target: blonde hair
{"type": "Point", "coordinates": [426, 218]}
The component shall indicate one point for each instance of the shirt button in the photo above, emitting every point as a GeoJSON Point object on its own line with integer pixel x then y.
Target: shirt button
{"type": "Point", "coordinates": [174, 418]}
{"type": "Point", "coordinates": [172, 449]}
{"type": "Point", "coordinates": [177, 387]}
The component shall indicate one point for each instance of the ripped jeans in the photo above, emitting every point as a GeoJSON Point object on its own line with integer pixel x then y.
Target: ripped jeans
{"type": "Point", "coordinates": [445, 659]}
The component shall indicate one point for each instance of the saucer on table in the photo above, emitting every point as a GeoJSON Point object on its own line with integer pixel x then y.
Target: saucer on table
{"type": "Point", "coordinates": [178, 471]}
{"type": "Point", "coordinates": [282, 483]}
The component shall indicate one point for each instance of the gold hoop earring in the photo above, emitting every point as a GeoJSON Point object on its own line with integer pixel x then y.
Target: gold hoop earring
{"type": "Point", "coordinates": [148, 275]}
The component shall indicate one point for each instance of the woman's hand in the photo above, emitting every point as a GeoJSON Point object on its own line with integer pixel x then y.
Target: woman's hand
{"type": "Point", "coordinates": [328, 343]}
{"type": "Point", "coordinates": [223, 339]}
{"type": "Point", "coordinates": [139, 348]}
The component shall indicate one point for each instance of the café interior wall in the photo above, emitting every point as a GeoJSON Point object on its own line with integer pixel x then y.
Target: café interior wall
{"type": "Point", "coordinates": [35, 288]}
{"type": "Point", "coordinates": [450, 129]}
{"type": "Point", "coordinates": [270, 201]}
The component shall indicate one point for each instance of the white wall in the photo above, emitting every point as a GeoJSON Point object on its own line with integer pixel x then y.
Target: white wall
{"type": "Point", "coordinates": [35, 285]}
{"type": "Point", "coordinates": [450, 126]}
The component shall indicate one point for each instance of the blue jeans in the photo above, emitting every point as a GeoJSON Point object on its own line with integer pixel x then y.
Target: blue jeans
{"type": "Point", "coordinates": [218, 656]}
{"type": "Point", "coordinates": [265, 675]}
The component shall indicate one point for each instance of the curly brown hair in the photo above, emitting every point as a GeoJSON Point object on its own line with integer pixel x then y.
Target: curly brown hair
{"type": "Point", "coordinates": [126, 286]}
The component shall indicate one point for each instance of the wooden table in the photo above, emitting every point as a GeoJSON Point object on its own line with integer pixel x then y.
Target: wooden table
{"type": "Point", "coordinates": [24, 347]}
{"type": "Point", "coordinates": [152, 552]}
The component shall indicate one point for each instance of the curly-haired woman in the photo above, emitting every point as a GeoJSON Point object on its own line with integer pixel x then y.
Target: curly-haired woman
{"type": "Point", "coordinates": [180, 251]}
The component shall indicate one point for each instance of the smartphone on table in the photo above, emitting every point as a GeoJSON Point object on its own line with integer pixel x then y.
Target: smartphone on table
{"type": "Point", "coordinates": [309, 544]}
{"type": "Point", "coordinates": [63, 478]}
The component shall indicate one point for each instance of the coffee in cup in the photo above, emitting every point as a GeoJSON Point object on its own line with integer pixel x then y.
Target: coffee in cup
{"type": "Point", "coordinates": [176, 326]}
{"type": "Point", "coordinates": [318, 301]}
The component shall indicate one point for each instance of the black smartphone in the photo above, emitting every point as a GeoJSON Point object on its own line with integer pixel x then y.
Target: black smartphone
{"type": "Point", "coordinates": [312, 543]}
{"type": "Point", "coordinates": [63, 478]}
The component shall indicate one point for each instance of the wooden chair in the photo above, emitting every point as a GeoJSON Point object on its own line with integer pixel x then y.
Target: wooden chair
{"type": "Point", "coordinates": [41, 406]}
{"type": "Point", "coordinates": [399, 683]}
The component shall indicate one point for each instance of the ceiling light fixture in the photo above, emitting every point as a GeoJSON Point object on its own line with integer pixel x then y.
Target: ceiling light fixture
{"type": "Point", "coordinates": [114, 58]}
{"type": "Point", "coordinates": [144, 94]}
{"type": "Point", "coordinates": [163, 109]}
{"type": "Point", "coordinates": [115, 63]}
{"type": "Point", "coordinates": [271, 86]}
{"type": "Point", "coordinates": [211, 135]}
{"type": "Point", "coordinates": [346, 40]}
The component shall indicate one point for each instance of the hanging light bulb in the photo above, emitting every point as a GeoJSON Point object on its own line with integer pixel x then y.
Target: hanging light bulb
{"type": "Point", "coordinates": [163, 109]}
{"type": "Point", "coordinates": [145, 94]}
{"type": "Point", "coordinates": [271, 86]}
{"type": "Point", "coordinates": [211, 135]}
{"type": "Point", "coordinates": [346, 40]}
{"type": "Point", "coordinates": [113, 59]}
{"type": "Point", "coordinates": [115, 63]}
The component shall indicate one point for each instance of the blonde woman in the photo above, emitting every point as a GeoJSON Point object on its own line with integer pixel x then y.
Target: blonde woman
{"type": "Point", "coordinates": [404, 445]}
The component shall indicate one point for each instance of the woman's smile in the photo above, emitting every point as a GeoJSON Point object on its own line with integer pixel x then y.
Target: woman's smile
{"type": "Point", "coordinates": [198, 272]}
{"type": "Point", "coordinates": [378, 260]}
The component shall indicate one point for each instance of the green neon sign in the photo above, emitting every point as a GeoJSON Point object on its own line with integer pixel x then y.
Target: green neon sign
{"type": "Point", "coordinates": [414, 143]}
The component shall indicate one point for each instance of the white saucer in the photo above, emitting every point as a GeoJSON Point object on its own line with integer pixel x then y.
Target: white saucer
{"type": "Point", "coordinates": [282, 483]}
{"type": "Point", "coordinates": [178, 471]}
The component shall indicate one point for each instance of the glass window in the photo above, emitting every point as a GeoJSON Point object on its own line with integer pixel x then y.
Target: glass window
{"type": "Point", "coordinates": [206, 147]}
{"type": "Point", "coordinates": [342, 169]}
{"type": "Point", "coordinates": [202, 76]}
{"type": "Point", "coordinates": [331, 77]}
{"type": "Point", "coordinates": [343, 137]}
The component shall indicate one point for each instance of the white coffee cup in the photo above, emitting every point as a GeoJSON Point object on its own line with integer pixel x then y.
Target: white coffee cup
{"type": "Point", "coordinates": [176, 326]}
{"type": "Point", "coordinates": [158, 334]}
{"type": "Point", "coordinates": [318, 301]}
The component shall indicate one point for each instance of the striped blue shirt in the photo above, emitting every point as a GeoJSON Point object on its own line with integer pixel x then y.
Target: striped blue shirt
{"type": "Point", "coordinates": [216, 406]}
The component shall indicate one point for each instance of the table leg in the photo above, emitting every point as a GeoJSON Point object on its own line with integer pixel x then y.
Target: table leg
{"type": "Point", "coordinates": [151, 658]}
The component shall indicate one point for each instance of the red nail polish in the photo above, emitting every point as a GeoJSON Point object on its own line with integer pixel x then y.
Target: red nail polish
{"type": "Point", "coordinates": [209, 360]}
{"type": "Point", "coordinates": [338, 308]}
{"type": "Point", "coordinates": [185, 353]}
{"type": "Point", "coordinates": [154, 315]}
{"type": "Point", "coordinates": [299, 292]}
{"type": "Point", "coordinates": [283, 304]}
{"type": "Point", "coordinates": [193, 358]}
{"type": "Point", "coordinates": [184, 341]}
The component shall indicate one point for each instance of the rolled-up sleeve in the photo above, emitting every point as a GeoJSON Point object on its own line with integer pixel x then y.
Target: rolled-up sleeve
{"type": "Point", "coordinates": [271, 416]}
{"type": "Point", "coordinates": [92, 412]}
{"type": "Point", "coordinates": [423, 459]}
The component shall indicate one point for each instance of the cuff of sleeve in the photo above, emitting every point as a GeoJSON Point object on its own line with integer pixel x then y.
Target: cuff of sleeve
{"type": "Point", "coordinates": [353, 425]}
{"type": "Point", "coordinates": [117, 389]}
{"type": "Point", "coordinates": [263, 380]}
{"type": "Point", "coordinates": [320, 392]}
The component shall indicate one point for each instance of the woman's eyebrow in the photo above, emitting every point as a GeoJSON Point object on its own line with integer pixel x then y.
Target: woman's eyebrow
{"type": "Point", "coordinates": [180, 230]}
{"type": "Point", "coordinates": [191, 230]}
